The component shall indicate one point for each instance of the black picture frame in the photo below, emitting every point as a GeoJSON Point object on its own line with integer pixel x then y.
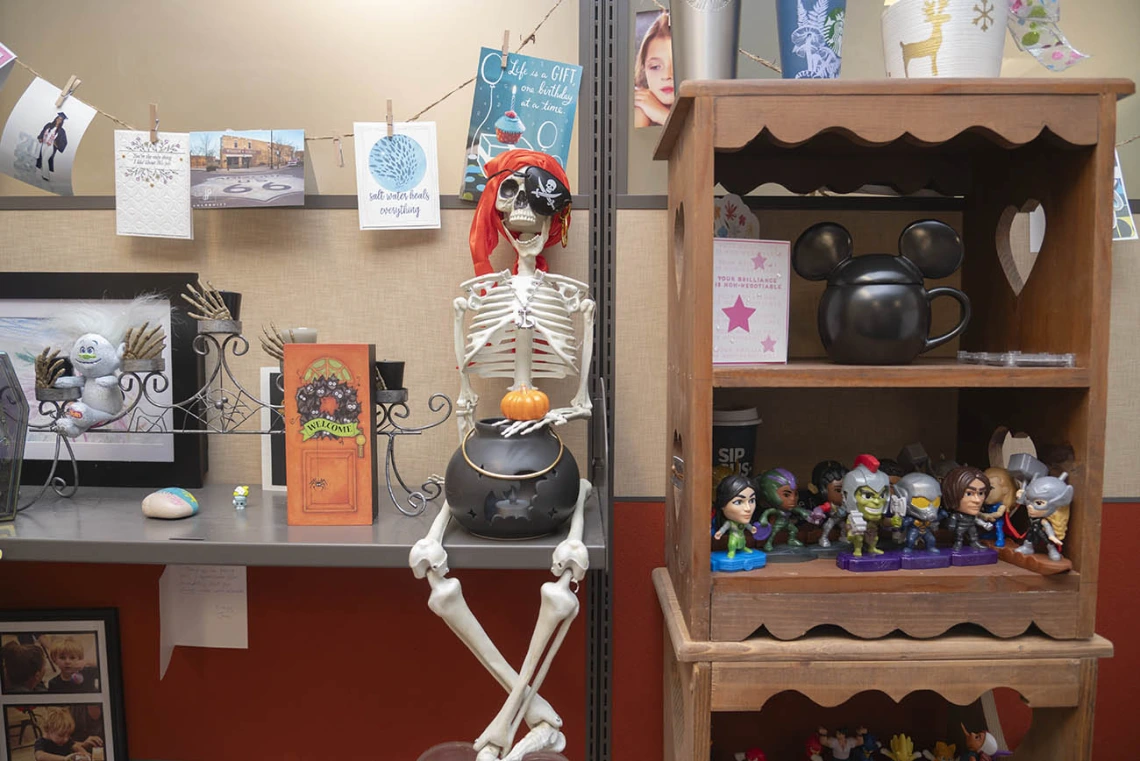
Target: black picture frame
{"type": "Point", "coordinates": [189, 466]}
{"type": "Point", "coordinates": [29, 708]}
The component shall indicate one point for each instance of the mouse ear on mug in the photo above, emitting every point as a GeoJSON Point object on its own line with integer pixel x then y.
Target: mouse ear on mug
{"type": "Point", "coordinates": [935, 247]}
{"type": "Point", "coordinates": [820, 249]}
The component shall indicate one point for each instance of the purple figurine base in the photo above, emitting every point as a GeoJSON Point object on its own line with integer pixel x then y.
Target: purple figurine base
{"type": "Point", "coordinates": [921, 560]}
{"type": "Point", "coordinates": [744, 561]}
{"type": "Point", "coordinates": [888, 561]}
{"type": "Point", "coordinates": [971, 556]}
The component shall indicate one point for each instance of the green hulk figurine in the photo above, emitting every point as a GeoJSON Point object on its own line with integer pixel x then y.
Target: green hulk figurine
{"type": "Point", "coordinates": [778, 494]}
{"type": "Point", "coordinates": [735, 506]}
{"type": "Point", "coordinates": [866, 492]}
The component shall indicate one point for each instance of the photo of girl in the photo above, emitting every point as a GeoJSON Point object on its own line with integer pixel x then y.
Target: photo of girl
{"type": "Point", "coordinates": [653, 69]}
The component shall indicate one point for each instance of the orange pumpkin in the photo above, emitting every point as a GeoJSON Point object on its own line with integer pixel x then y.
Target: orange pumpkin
{"type": "Point", "coordinates": [525, 403]}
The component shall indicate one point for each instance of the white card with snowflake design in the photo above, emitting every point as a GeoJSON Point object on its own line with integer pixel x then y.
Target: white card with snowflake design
{"type": "Point", "coordinates": [397, 176]}
{"type": "Point", "coordinates": [152, 185]}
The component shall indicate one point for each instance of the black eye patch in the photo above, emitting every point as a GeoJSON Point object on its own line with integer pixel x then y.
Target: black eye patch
{"type": "Point", "coordinates": [547, 195]}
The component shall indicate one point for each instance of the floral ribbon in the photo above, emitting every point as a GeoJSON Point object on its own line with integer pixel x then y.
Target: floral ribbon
{"type": "Point", "coordinates": [1035, 26]}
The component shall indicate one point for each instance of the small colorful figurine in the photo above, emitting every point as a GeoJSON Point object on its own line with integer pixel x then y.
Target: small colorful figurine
{"type": "Point", "coordinates": [980, 746]}
{"type": "Point", "coordinates": [1002, 496]}
{"type": "Point", "coordinates": [965, 489]}
{"type": "Point", "coordinates": [777, 489]}
{"type": "Point", "coordinates": [902, 749]}
{"type": "Point", "coordinates": [736, 503]}
{"type": "Point", "coordinates": [840, 743]}
{"type": "Point", "coordinates": [829, 512]}
{"type": "Point", "coordinates": [241, 497]}
{"type": "Point", "coordinates": [813, 749]}
{"type": "Point", "coordinates": [1047, 500]}
{"type": "Point", "coordinates": [865, 493]}
{"type": "Point", "coordinates": [942, 752]}
{"type": "Point", "coordinates": [868, 749]}
{"type": "Point", "coordinates": [923, 498]}
{"type": "Point", "coordinates": [752, 754]}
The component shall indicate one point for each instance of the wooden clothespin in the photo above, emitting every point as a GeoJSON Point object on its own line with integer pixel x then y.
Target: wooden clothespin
{"type": "Point", "coordinates": [153, 123]}
{"type": "Point", "coordinates": [389, 118]}
{"type": "Point", "coordinates": [506, 45]}
{"type": "Point", "coordinates": [339, 152]}
{"type": "Point", "coordinates": [67, 90]}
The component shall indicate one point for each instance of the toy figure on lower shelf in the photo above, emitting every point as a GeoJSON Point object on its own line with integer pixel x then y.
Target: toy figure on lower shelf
{"type": "Point", "coordinates": [735, 506]}
{"type": "Point", "coordinates": [813, 749]}
{"type": "Point", "coordinates": [1047, 500]}
{"type": "Point", "coordinates": [752, 754]}
{"type": "Point", "coordinates": [902, 749]}
{"type": "Point", "coordinates": [777, 489]}
{"type": "Point", "coordinates": [922, 497]}
{"type": "Point", "coordinates": [964, 490]}
{"type": "Point", "coordinates": [980, 746]}
{"type": "Point", "coordinates": [866, 490]}
{"type": "Point", "coordinates": [841, 743]}
{"type": "Point", "coordinates": [829, 512]}
{"type": "Point", "coordinates": [1002, 496]}
{"type": "Point", "coordinates": [942, 752]}
{"type": "Point", "coordinates": [868, 749]}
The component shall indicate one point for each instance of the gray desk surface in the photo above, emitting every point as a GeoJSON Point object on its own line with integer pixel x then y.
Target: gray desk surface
{"type": "Point", "coordinates": [106, 525]}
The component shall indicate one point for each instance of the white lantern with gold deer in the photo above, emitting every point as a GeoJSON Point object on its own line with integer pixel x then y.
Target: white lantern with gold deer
{"type": "Point", "coordinates": [944, 38]}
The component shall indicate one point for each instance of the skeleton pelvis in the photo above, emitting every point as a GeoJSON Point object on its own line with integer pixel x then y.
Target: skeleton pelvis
{"type": "Point", "coordinates": [492, 488]}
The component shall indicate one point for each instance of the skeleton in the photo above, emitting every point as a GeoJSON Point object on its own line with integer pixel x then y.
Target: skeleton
{"type": "Point", "coordinates": [522, 327]}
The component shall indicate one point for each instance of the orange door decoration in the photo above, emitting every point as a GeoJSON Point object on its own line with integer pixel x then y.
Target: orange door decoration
{"type": "Point", "coordinates": [330, 429]}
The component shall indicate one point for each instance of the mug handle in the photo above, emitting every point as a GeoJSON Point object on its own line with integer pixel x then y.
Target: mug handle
{"type": "Point", "coordinates": [964, 320]}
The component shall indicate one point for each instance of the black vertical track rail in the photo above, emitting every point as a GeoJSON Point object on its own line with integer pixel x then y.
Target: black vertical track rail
{"type": "Point", "coordinates": [598, 56]}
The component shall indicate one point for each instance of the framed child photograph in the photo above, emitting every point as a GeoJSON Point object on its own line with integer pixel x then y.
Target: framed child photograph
{"type": "Point", "coordinates": [61, 685]}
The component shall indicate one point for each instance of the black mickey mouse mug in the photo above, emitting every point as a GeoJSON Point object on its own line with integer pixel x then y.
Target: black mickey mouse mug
{"type": "Point", "coordinates": [875, 309]}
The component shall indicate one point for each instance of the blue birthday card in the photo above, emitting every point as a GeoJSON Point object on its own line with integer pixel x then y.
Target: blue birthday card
{"type": "Point", "coordinates": [528, 104]}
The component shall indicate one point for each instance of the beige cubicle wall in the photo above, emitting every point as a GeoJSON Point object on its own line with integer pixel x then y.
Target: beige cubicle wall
{"type": "Point", "coordinates": [287, 64]}
{"type": "Point", "coordinates": [313, 268]}
{"type": "Point", "coordinates": [641, 335]}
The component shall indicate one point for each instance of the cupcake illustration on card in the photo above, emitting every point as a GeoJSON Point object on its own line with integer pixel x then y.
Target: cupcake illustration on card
{"type": "Point", "coordinates": [509, 128]}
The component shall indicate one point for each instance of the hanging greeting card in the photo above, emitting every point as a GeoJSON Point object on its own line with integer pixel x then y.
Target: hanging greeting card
{"type": "Point", "coordinates": [529, 103]}
{"type": "Point", "coordinates": [152, 185]}
{"type": "Point", "coordinates": [6, 64]}
{"type": "Point", "coordinates": [751, 294]}
{"type": "Point", "coordinates": [1125, 226]}
{"type": "Point", "coordinates": [397, 175]}
{"type": "Point", "coordinates": [40, 139]}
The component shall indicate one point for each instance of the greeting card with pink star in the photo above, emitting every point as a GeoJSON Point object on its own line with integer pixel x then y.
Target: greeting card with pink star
{"type": "Point", "coordinates": [751, 296]}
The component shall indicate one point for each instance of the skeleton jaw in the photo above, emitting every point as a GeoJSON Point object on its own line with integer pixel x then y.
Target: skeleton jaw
{"type": "Point", "coordinates": [527, 232]}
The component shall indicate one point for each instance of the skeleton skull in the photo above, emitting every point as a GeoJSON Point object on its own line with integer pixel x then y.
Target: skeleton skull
{"type": "Point", "coordinates": [528, 199]}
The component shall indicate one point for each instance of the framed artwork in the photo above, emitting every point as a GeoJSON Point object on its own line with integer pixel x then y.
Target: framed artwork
{"type": "Point", "coordinates": [118, 458]}
{"type": "Point", "coordinates": [61, 686]}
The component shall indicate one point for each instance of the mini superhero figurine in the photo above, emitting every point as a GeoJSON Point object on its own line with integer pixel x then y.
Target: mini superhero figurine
{"type": "Point", "coordinates": [902, 749]}
{"type": "Point", "coordinates": [965, 490]}
{"type": "Point", "coordinates": [813, 749]}
{"type": "Point", "coordinates": [1047, 500]}
{"type": "Point", "coordinates": [1003, 496]}
{"type": "Point", "coordinates": [752, 754]}
{"type": "Point", "coordinates": [980, 746]}
{"type": "Point", "coordinates": [777, 489]}
{"type": "Point", "coordinates": [840, 743]}
{"type": "Point", "coordinates": [829, 512]}
{"type": "Point", "coordinates": [942, 752]}
{"type": "Point", "coordinates": [897, 506]}
{"type": "Point", "coordinates": [923, 498]}
{"type": "Point", "coordinates": [868, 749]}
{"type": "Point", "coordinates": [866, 490]}
{"type": "Point", "coordinates": [735, 505]}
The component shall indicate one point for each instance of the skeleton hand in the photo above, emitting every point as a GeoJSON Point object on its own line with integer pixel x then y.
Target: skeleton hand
{"type": "Point", "coordinates": [427, 555]}
{"type": "Point", "coordinates": [465, 411]}
{"type": "Point", "coordinates": [559, 416]}
{"type": "Point", "coordinates": [571, 555]}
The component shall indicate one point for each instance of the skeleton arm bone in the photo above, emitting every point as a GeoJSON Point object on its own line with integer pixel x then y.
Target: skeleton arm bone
{"type": "Point", "coordinates": [468, 399]}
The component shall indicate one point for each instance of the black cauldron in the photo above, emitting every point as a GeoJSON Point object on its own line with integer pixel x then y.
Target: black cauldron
{"type": "Point", "coordinates": [875, 310]}
{"type": "Point", "coordinates": [501, 497]}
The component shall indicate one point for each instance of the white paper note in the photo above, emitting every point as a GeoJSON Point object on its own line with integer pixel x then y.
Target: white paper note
{"type": "Point", "coordinates": [201, 606]}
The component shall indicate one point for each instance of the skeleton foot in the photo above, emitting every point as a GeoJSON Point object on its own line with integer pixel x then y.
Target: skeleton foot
{"type": "Point", "coordinates": [542, 737]}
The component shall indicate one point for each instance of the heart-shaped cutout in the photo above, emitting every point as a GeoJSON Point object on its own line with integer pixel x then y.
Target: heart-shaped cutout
{"type": "Point", "coordinates": [1020, 236]}
{"type": "Point", "coordinates": [679, 247]}
{"type": "Point", "coordinates": [1005, 444]}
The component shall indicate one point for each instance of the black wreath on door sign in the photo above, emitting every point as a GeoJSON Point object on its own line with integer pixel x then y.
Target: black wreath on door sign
{"type": "Point", "coordinates": [312, 395]}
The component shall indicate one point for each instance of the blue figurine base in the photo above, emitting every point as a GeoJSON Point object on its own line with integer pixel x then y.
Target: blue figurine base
{"type": "Point", "coordinates": [968, 556]}
{"type": "Point", "coordinates": [744, 561]}
{"type": "Point", "coordinates": [922, 560]}
{"type": "Point", "coordinates": [888, 561]}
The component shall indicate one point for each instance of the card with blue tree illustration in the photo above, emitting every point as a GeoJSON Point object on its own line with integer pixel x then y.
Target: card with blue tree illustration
{"type": "Point", "coordinates": [397, 175]}
{"type": "Point", "coordinates": [529, 103]}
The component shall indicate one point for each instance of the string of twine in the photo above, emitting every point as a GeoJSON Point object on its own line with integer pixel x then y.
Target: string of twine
{"type": "Point", "coordinates": [1132, 139]}
{"type": "Point", "coordinates": [528, 39]}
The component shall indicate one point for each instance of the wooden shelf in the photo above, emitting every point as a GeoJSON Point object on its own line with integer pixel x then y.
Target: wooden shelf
{"type": "Point", "coordinates": [106, 525]}
{"type": "Point", "coordinates": [924, 373]}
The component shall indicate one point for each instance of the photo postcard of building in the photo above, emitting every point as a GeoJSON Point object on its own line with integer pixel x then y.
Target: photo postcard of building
{"type": "Point", "coordinates": [244, 168]}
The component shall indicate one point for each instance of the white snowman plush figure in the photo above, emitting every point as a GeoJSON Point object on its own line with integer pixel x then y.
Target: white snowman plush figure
{"type": "Point", "coordinates": [96, 362]}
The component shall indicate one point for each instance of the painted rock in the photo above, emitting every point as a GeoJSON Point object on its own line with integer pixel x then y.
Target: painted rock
{"type": "Point", "coordinates": [171, 503]}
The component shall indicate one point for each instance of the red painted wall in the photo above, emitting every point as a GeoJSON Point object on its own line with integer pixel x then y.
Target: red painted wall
{"type": "Point", "coordinates": [349, 663]}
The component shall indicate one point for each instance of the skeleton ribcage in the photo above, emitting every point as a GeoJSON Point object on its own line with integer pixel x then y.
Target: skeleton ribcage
{"type": "Point", "coordinates": [494, 336]}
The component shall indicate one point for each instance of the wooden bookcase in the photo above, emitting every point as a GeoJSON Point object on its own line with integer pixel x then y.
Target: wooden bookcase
{"type": "Point", "coordinates": [993, 144]}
